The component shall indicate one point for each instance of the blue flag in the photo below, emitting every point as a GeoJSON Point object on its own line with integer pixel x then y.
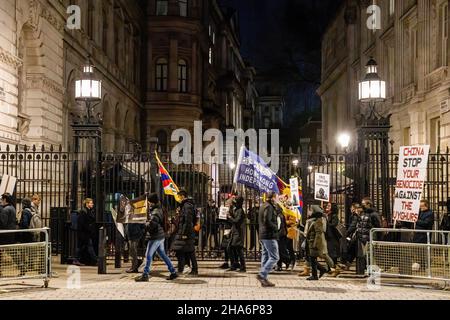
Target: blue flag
{"type": "Point", "coordinates": [253, 172]}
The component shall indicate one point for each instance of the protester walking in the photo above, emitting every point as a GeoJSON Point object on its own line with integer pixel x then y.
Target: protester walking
{"type": "Point", "coordinates": [85, 232]}
{"type": "Point", "coordinates": [332, 235]}
{"type": "Point", "coordinates": [367, 220]}
{"type": "Point", "coordinates": [282, 240]}
{"type": "Point", "coordinates": [237, 220]}
{"type": "Point", "coordinates": [350, 236]}
{"type": "Point", "coordinates": [155, 227]}
{"type": "Point", "coordinates": [316, 242]}
{"type": "Point", "coordinates": [253, 222]}
{"type": "Point", "coordinates": [183, 243]}
{"type": "Point", "coordinates": [292, 235]}
{"type": "Point", "coordinates": [268, 231]}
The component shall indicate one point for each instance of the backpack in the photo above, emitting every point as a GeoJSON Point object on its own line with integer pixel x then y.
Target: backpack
{"type": "Point", "coordinates": [21, 222]}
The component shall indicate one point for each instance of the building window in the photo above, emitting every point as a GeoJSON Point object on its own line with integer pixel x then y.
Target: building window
{"type": "Point", "coordinates": [183, 7]}
{"type": "Point", "coordinates": [210, 55]}
{"type": "Point", "coordinates": [162, 7]}
{"type": "Point", "coordinates": [435, 134]}
{"type": "Point", "coordinates": [444, 33]}
{"type": "Point", "coordinates": [182, 76]}
{"type": "Point", "coordinates": [161, 74]}
{"type": "Point", "coordinates": [407, 136]}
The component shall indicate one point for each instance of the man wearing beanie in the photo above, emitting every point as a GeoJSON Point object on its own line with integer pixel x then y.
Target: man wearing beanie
{"type": "Point", "coordinates": [155, 227]}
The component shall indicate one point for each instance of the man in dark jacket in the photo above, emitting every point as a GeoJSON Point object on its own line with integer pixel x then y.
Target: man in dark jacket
{"type": "Point", "coordinates": [7, 219]}
{"type": "Point", "coordinates": [25, 219]}
{"type": "Point", "coordinates": [237, 220]}
{"type": "Point", "coordinates": [183, 244]}
{"type": "Point", "coordinates": [425, 221]}
{"type": "Point", "coordinates": [86, 232]}
{"type": "Point", "coordinates": [268, 231]}
{"type": "Point", "coordinates": [155, 228]}
{"type": "Point", "coordinates": [282, 240]}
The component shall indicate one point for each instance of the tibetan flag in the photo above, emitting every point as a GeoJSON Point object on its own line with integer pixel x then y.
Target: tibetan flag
{"type": "Point", "coordinates": [281, 185]}
{"type": "Point", "coordinates": [285, 189]}
{"type": "Point", "coordinates": [169, 186]}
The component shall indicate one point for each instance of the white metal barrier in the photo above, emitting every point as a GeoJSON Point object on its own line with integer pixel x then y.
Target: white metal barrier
{"type": "Point", "coordinates": [393, 252]}
{"type": "Point", "coordinates": [25, 254]}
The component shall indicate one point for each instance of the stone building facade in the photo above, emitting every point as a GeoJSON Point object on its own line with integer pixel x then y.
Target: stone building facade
{"type": "Point", "coordinates": [163, 64]}
{"type": "Point", "coordinates": [411, 49]}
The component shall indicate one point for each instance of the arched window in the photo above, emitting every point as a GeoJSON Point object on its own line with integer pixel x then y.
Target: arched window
{"type": "Point", "coordinates": [161, 74]}
{"type": "Point", "coordinates": [183, 7]}
{"type": "Point", "coordinates": [162, 7]}
{"type": "Point", "coordinates": [182, 75]}
{"type": "Point", "coordinates": [162, 141]}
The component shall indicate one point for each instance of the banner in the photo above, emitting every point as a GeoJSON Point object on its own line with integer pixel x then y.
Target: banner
{"type": "Point", "coordinates": [293, 183]}
{"type": "Point", "coordinates": [8, 184]}
{"type": "Point", "coordinates": [322, 187]}
{"type": "Point", "coordinates": [253, 172]}
{"type": "Point", "coordinates": [411, 176]}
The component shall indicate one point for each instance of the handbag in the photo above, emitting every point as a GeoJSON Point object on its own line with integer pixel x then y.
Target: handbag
{"type": "Point", "coordinates": [341, 230]}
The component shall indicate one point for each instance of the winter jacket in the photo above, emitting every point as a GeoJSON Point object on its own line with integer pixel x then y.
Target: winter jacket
{"type": "Point", "coordinates": [368, 220]}
{"type": "Point", "coordinates": [24, 223]}
{"type": "Point", "coordinates": [424, 222]}
{"type": "Point", "coordinates": [283, 226]}
{"type": "Point", "coordinates": [184, 238]}
{"type": "Point", "coordinates": [86, 225]}
{"type": "Point", "coordinates": [291, 224]}
{"type": "Point", "coordinates": [268, 225]}
{"type": "Point", "coordinates": [237, 220]}
{"type": "Point", "coordinates": [315, 235]}
{"type": "Point", "coordinates": [333, 236]}
{"type": "Point", "coordinates": [352, 226]}
{"type": "Point", "coordinates": [155, 225]}
{"type": "Point", "coordinates": [8, 222]}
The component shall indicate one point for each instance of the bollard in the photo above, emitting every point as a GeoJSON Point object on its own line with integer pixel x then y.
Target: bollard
{"type": "Point", "coordinates": [118, 250]}
{"type": "Point", "coordinates": [101, 251]}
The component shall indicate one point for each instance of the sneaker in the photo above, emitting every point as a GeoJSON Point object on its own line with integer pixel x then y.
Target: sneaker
{"type": "Point", "coordinates": [186, 270]}
{"type": "Point", "coordinates": [266, 283]}
{"type": "Point", "coordinates": [142, 278]}
{"type": "Point", "coordinates": [172, 276]}
{"type": "Point", "coordinates": [312, 278]}
{"type": "Point", "coordinates": [131, 270]}
{"type": "Point", "coordinates": [259, 277]}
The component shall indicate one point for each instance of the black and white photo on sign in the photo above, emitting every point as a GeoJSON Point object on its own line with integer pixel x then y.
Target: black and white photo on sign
{"type": "Point", "coordinates": [223, 212]}
{"type": "Point", "coordinates": [293, 184]}
{"type": "Point", "coordinates": [322, 187]}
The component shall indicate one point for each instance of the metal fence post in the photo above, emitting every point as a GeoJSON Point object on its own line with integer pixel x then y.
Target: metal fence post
{"type": "Point", "coordinates": [428, 255]}
{"type": "Point", "coordinates": [102, 251]}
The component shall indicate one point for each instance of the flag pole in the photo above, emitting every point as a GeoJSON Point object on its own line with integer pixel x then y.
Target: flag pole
{"type": "Point", "coordinates": [236, 170]}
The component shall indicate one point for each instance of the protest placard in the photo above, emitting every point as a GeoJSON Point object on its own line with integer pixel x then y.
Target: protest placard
{"type": "Point", "coordinates": [322, 187]}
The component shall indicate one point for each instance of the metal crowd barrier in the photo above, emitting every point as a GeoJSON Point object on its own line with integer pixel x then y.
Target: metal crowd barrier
{"type": "Point", "coordinates": [393, 252]}
{"type": "Point", "coordinates": [25, 254]}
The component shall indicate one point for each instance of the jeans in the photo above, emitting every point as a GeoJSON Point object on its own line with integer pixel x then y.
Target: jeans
{"type": "Point", "coordinates": [269, 256]}
{"type": "Point", "coordinates": [157, 246]}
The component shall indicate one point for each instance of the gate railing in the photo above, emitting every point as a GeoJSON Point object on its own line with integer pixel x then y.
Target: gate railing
{"type": "Point", "coordinates": [399, 252]}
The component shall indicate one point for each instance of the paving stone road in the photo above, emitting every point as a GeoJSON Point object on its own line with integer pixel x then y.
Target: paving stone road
{"type": "Point", "coordinates": [212, 284]}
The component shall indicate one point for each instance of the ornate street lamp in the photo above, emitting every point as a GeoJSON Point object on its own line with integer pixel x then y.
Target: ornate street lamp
{"type": "Point", "coordinates": [344, 140]}
{"type": "Point", "coordinates": [372, 89]}
{"type": "Point", "coordinates": [88, 89]}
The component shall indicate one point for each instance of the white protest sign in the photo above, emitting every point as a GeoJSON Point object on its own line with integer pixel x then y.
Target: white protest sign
{"type": "Point", "coordinates": [411, 176]}
{"type": "Point", "coordinates": [223, 212]}
{"type": "Point", "coordinates": [8, 184]}
{"type": "Point", "coordinates": [322, 187]}
{"type": "Point", "coordinates": [293, 184]}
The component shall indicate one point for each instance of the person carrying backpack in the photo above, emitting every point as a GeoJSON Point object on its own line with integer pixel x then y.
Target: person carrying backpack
{"type": "Point", "coordinates": [155, 227]}
{"type": "Point", "coordinates": [25, 221]}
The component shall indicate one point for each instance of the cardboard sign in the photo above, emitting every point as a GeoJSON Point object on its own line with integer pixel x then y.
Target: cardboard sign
{"type": "Point", "coordinates": [223, 212]}
{"type": "Point", "coordinates": [322, 187]}
{"type": "Point", "coordinates": [8, 184]}
{"type": "Point", "coordinates": [411, 176]}
{"type": "Point", "coordinates": [293, 183]}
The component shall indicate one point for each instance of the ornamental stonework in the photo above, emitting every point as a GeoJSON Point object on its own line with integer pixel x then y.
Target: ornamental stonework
{"type": "Point", "coordinates": [10, 59]}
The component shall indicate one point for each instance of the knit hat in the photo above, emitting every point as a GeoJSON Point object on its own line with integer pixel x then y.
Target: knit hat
{"type": "Point", "coordinates": [153, 198]}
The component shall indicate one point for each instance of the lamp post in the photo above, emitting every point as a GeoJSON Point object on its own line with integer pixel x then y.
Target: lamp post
{"type": "Point", "coordinates": [88, 90]}
{"type": "Point", "coordinates": [344, 141]}
{"type": "Point", "coordinates": [373, 137]}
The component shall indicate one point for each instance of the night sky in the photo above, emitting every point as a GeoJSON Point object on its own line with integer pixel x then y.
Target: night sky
{"type": "Point", "coordinates": [282, 39]}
